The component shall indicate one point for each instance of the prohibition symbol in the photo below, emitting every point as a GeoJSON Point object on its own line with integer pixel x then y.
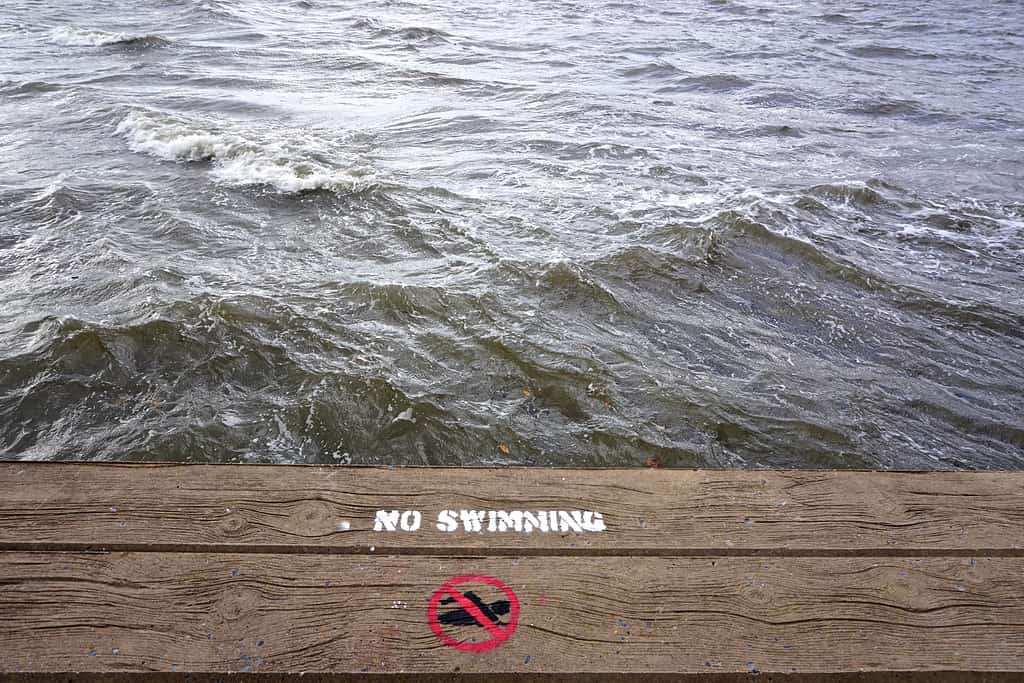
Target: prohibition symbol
{"type": "Point", "coordinates": [473, 613]}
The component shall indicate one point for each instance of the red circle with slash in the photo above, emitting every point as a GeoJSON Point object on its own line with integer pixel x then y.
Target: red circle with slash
{"type": "Point", "coordinates": [471, 611]}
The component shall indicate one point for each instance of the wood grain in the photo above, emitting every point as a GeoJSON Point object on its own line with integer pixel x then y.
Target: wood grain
{"type": "Point", "coordinates": [181, 572]}
{"type": "Point", "coordinates": [197, 612]}
{"type": "Point", "coordinates": [294, 509]}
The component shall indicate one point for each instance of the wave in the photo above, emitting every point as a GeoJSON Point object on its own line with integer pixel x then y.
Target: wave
{"type": "Point", "coordinates": [409, 34]}
{"type": "Point", "coordinates": [96, 390]}
{"type": "Point", "coordinates": [890, 52]}
{"type": "Point", "coordinates": [568, 285]}
{"type": "Point", "coordinates": [712, 83]}
{"type": "Point", "coordinates": [772, 240]}
{"type": "Point", "coordinates": [777, 131]}
{"type": "Point", "coordinates": [240, 158]}
{"type": "Point", "coordinates": [639, 262]}
{"type": "Point", "coordinates": [59, 201]}
{"type": "Point", "coordinates": [834, 18]}
{"type": "Point", "coordinates": [399, 302]}
{"type": "Point", "coordinates": [885, 106]}
{"type": "Point", "coordinates": [654, 69]}
{"type": "Point", "coordinates": [18, 88]}
{"type": "Point", "coordinates": [424, 34]}
{"type": "Point", "coordinates": [75, 36]}
{"type": "Point", "coordinates": [863, 194]}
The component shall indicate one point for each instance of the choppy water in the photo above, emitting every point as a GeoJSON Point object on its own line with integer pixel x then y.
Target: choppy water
{"type": "Point", "coordinates": [751, 233]}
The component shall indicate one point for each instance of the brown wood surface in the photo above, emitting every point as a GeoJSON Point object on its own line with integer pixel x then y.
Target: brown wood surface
{"type": "Point", "coordinates": [65, 506]}
{"type": "Point", "coordinates": [158, 572]}
{"type": "Point", "coordinates": [138, 612]}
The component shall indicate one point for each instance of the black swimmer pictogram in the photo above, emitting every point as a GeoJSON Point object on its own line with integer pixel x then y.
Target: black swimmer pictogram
{"type": "Point", "coordinates": [461, 617]}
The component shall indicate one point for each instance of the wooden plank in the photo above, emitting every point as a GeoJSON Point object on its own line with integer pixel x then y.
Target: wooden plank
{"type": "Point", "coordinates": [647, 512]}
{"type": "Point", "coordinates": [196, 612]}
{"type": "Point", "coordinates": [222, 571]}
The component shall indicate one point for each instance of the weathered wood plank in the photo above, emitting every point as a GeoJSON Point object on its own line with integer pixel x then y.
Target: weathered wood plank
{"type": "Point", "coordinates": [198, 612]}
{"type": "Point", "coordinates": [647, 512]}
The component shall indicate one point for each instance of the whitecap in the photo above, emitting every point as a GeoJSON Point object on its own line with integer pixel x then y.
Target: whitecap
{"type": "Point", "coordinates": [82, 37]}
{"type": "Point", "coordinates": [285, 162]}
{"type": "Point", "coordinates": [53, 188]}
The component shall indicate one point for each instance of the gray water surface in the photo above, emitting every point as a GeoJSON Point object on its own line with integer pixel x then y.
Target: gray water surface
{"type": "Point", "coordinates": [722, 233]}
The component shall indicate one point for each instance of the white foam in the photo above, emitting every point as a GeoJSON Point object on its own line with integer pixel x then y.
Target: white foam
{"type": "Point", "coordinates": [53, 188]}
{"type": "Point", "coordinates": [75, 36]}
{"type": "Point", "coordinates": [174, 140]}
{"type": "Point", "coordinates": [239, 158]}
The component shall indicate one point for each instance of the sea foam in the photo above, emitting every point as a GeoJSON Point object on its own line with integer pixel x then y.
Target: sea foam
{"type": "Point", "coordinates": [82, 37]}
{"type": "Point", "coordinates": [243, 158]}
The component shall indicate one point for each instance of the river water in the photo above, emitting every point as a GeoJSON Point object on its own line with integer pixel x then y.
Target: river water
{"type": "Point", "coordinates": [738, 233]}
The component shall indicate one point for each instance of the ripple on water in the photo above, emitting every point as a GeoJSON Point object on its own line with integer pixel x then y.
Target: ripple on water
{"type": "Point", "coordinates": [717, 234]}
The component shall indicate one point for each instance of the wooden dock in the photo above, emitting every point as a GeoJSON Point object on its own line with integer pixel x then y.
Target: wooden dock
{"type": "Point", "coordinates": [236, 573]}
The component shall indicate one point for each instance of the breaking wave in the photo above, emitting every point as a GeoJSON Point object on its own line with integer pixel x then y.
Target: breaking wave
{"type": "Point", "coordinates": [241, 158]}
{"type": "Point", "coordinates": [74, 36]}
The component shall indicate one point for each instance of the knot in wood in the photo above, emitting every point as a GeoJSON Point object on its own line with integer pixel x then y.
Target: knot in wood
{"type": "Point", "coordinates": [236, 602]}
{"type": "Point", "coordinates": [757, 591]}
{"type": "Point", "coordinates": [234, 524]}
{"type": "Point", "coordinates": [312, 518]}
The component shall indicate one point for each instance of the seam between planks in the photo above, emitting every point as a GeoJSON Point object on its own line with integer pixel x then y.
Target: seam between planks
{"type": "Point", "coordinates": [506, 551]}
